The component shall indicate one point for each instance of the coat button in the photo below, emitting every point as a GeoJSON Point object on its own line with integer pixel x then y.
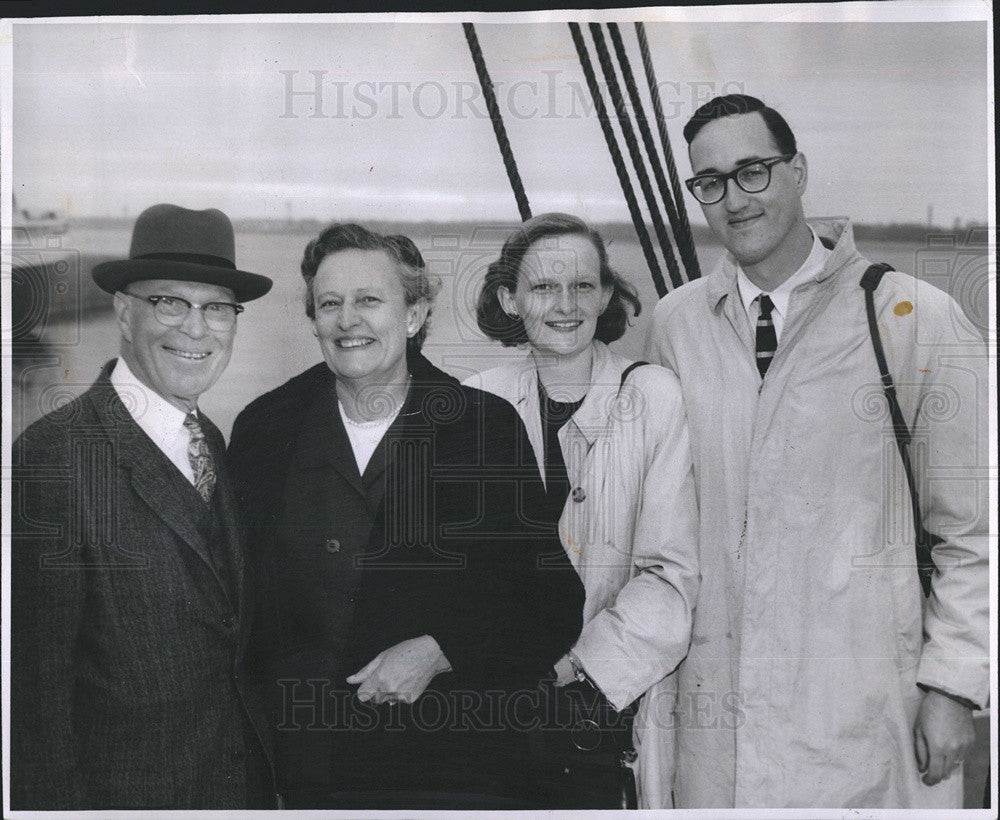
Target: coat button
{"type": "Point", "coordinates": [332, 545]}
{"type": "Point", "coordinates": [579, 494]}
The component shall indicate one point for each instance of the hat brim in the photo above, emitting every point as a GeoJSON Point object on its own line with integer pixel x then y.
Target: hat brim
{"type": "Point", "coordinates": [117, 274]}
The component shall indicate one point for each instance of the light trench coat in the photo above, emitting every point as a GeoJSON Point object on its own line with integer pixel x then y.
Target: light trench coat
{"type": "Point", "coordinates": [811, 633]}
{"type": "Point", "coordinates": [630, 528]}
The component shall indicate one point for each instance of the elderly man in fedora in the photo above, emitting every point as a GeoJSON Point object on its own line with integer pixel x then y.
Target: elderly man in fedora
{"type": "Point", "coordinates": [129, 604]}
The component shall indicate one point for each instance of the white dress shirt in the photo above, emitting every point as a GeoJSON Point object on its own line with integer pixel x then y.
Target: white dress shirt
{"type": "Point", "coordinates": [780, 295]}
{"type": "Point", "coordinates": [157, 417]}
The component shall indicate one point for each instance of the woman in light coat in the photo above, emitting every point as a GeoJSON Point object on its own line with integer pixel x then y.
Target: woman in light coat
{"type": "Point", "coordinates": [611, 442]}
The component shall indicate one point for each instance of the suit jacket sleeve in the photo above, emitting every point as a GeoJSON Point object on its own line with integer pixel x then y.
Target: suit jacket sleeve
{"type": "Point", "coordinates": [47, 607]}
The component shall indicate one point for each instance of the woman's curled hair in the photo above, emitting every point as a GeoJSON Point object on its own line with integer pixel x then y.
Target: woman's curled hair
{"type": "Point", "coordinates": [410, 268]}
{"type": "Point", "coordinates": [509, 330]}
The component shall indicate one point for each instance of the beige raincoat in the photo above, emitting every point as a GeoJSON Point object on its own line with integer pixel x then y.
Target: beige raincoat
{"type": "Point", "coordinates": [630, 528]}
{"type": "Point", "coordinates": [810, 632]}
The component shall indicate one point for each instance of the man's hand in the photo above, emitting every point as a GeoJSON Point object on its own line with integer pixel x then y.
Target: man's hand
{"type": "Point", "coordinates": [942, 734]}
{"type": "Point", "coordinates": [401, 672]}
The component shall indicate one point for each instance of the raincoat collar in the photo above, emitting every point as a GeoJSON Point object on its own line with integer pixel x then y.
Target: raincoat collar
{"type": "Point", "coordinates": [592, 415]}
{"type": "Point", "coordinates": [838, 230]}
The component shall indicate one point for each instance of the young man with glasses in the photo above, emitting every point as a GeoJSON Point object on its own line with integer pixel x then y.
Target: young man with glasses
{"type": "Point", "coordinates": [129, 603]}
{"type": "Point", "coordinates": [818, 676]}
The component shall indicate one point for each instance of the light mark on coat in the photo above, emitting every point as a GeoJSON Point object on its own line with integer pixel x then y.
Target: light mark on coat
{"type": "Point", "coordinates": [569, 542]}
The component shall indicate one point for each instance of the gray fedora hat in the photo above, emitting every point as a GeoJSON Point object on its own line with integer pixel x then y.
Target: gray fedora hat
{"type": "Point", "coordinates": [170, 242]}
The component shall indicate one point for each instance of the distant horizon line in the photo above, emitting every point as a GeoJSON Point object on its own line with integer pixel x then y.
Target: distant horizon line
{"type": "Point", "coordinates": [95, 220]}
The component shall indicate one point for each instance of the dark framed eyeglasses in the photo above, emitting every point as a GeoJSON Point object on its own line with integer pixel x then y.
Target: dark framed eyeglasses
{"type": "Point", "coordinates": [752, 177]}
{"type": "Point", "coordinates": [173, 310]}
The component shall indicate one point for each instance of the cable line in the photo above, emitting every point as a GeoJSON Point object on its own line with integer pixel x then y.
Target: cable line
{"type": "Point", "coordinates": [616, 158]}
{"type": "Point", "coordinates": [498, 127]}
{"type": "Point", "coordinates": [604, 57]}
{"type": "Point", "coordinates": [628, 78]}
{"type": "Point", "coordinates": [685, 241]}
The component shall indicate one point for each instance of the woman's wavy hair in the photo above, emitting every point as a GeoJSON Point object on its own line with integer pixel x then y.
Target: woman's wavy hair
{"type": "Point", "coordinates": [509, 330]}
{"type": "Point", "coordinates": [410, 268]}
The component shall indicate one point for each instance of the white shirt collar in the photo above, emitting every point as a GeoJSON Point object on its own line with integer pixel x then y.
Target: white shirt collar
{"type": "Point", "coordinates": [780, 295]}
{"type": "Point", "coordinates": [157, 417]}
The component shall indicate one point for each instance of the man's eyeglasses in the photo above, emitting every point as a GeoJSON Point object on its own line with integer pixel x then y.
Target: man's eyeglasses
{"type": "Point", "coordinates": [173, 310]}
{"type": "Point", "coordinates": [752, 177]}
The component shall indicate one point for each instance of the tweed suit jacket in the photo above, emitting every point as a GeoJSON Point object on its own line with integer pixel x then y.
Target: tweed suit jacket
{"type": "Point", "coordinates": [127, 637]}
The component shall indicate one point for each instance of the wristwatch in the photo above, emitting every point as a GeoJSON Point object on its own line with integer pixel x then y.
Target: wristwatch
{"type": "Point", "coordinates": [578, 671]}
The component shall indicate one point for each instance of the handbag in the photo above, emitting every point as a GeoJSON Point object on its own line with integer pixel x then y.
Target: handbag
{"type": "Point", "coordinates": [582, 749]}
{"type": "Point", "coordinates": [925, 540]}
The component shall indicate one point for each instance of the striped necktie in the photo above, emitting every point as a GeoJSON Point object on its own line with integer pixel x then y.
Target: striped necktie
{"type": "Point", "coordinates": [200, 457]}
{"type": "Point", "coordinates": [767, 339]}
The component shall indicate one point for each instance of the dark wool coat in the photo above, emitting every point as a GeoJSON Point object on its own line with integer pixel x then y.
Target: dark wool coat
{"type": "Point", "coordinates": [127, 621]}
{"type": "Point", "coordinates": [444, 535]}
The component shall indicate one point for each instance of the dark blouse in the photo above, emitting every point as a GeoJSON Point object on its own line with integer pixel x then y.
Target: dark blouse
{"type": "Point", "coordinates": [554, 415]}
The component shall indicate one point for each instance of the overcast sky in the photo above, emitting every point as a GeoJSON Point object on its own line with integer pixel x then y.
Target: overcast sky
{"type": "Point", "coordinates": [110, 117]}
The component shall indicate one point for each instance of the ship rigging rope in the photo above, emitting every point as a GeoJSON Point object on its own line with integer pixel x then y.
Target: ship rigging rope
{"type": "Point", "coordinates": [682, 231]}
{"type": "Point", "coordinates": [616, 158]}
{"type": "Point", "coordinates": [608, 69]}
{"type": "Point", "coordinates": [674, 206]}
{"type": "Point", "coordinates": [628, 80]}
{"type": "Point", "coordinates": [498, 127]}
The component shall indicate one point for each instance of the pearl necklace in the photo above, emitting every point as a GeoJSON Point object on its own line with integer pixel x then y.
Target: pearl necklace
{"type": "Point", "coordinates": [382, 421]}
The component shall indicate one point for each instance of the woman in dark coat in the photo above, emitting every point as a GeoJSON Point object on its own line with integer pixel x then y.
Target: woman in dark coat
{"type": "Point", "coordinates": [396, 528]}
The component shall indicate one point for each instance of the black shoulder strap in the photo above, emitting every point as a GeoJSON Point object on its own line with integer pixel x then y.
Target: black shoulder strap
{"type": "Point", "coordinates": [628, 370]}
{"type": "Point", "coordinates": [870, 282]}
{"type": "Point", "coordinates": [925, 540]}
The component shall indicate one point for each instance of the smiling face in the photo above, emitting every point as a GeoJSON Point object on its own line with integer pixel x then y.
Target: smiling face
{"type": "Point", "coordinates": [362, 319]}
{"type": "Point", "coordinates": [179, 363]}
{"type": "Point", "coordinates": [765, 230]}
{"type": "Point", "coordinates": [559, 295]}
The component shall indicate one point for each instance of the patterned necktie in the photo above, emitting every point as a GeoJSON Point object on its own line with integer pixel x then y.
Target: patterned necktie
{"type": "Point", "coordinates": [767, 339]}
{"type": "Point", "coordinates": [201, 459]}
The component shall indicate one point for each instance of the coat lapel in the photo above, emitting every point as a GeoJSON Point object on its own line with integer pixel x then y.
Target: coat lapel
{"type": "Point", "coordinates": [410, 416]}
{"type": "Point", "coordinates": [528, 407]}
{"type": "Point", "coordinates": [323, 441]}
{"type": "Point", "coordinates": [231, 520]}
{"type": "Point", "coordinates": [154, 478]}
{"type": "Point", "coordinates": [723, 294]}
{"type": "Point", "coordinates": [410, 420]}
{"type": "Point", "coordinates": [593, 416]}
{"type": "Point", "coordinates": [811, 298]}
{"type": "Point", "coordinates": [374, 472]}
